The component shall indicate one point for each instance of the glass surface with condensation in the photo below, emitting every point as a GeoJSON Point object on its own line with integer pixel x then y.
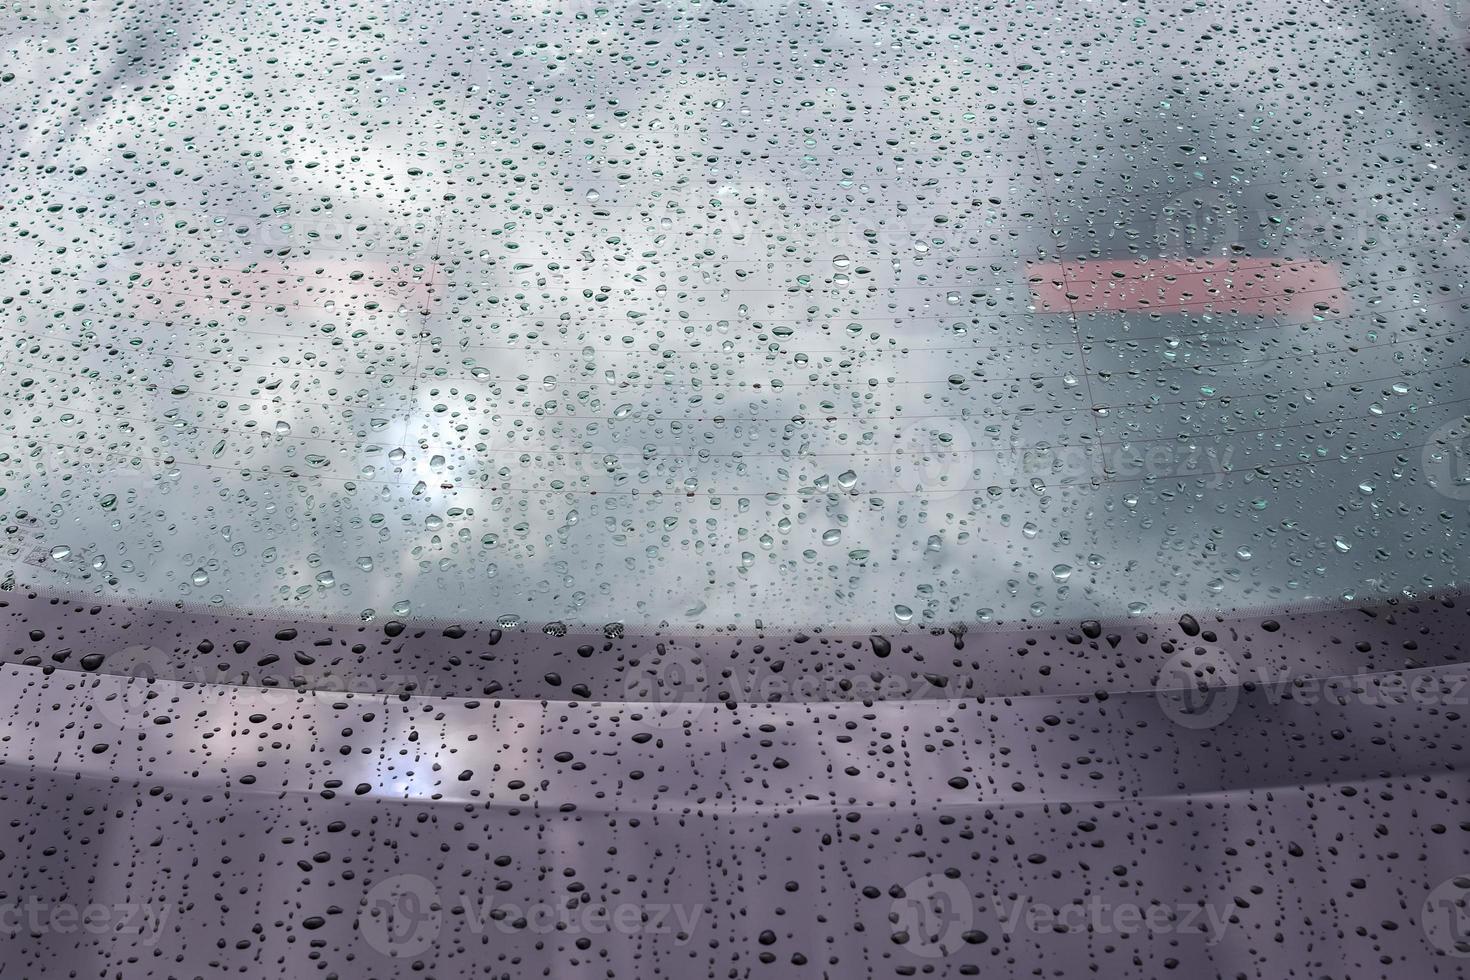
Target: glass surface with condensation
{"type": "Point", "coordinates": [709, 313]}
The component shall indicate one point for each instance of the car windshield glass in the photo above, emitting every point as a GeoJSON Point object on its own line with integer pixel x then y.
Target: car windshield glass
{"type": "Point", "coordinates": [700, 313]}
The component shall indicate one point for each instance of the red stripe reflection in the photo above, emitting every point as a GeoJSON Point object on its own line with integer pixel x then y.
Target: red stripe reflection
{"type": "Point", "coordinates": [1249, 285]}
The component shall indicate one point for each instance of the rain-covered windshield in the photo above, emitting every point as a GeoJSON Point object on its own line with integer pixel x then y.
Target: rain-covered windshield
{"type": "Point", "coordinates": [701, 312]}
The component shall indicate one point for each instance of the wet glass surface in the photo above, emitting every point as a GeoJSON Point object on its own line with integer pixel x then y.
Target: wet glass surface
{"type": "Point", "coordinates": [673, 489]}
{"type": "Point", "coordinates": [708, 313]}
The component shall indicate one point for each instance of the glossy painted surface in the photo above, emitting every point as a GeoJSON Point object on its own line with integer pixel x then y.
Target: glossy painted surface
{"type": "Point", "coordinates": [1234, 814]}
